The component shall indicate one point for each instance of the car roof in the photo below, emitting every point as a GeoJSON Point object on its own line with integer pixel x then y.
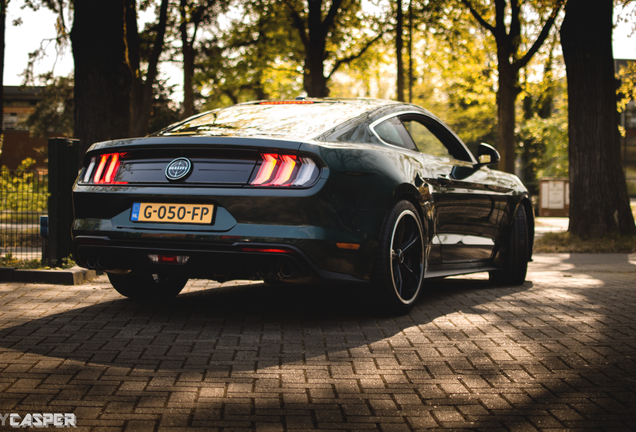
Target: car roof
{"type": "Point", "coordinates": [292, 119]}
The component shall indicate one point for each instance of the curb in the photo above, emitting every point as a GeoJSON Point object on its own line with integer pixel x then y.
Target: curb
{"type": "Point", "coordinates": [73, 276]}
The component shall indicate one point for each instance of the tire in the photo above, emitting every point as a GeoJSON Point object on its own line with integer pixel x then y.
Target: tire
{"type": "Point", "coordinates": [401, 260]}
{"type": "Point", "coordinates": [517, 253]}
{"type": "Point", "coordinates": [147, 286]}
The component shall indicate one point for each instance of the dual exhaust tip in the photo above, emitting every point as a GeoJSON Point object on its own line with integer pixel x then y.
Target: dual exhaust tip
{"type": "Point", "coordinates": [265, 269]}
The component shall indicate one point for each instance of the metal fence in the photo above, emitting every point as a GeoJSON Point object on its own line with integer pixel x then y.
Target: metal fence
{"type": "Point", "coordinates": [23, 199]}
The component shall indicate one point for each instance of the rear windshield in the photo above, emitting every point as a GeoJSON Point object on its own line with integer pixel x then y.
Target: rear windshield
{"type": "Point", "coordinates": [282, 120]}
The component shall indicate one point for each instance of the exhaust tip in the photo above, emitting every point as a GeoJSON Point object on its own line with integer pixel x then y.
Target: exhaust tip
{"type": "Point", "coordinates": [285, 271]}
{"type": "Point", "coordinates": [264, 269]}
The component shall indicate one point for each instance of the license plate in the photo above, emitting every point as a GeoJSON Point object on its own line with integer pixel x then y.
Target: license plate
{"type": "Point", "coordinates": [173, 213]}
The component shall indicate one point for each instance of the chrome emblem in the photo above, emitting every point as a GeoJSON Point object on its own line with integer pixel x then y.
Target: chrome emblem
{"type": "Point", "coordinates": [178, 169]}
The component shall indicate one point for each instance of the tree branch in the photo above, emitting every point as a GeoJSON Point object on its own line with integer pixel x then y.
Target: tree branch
{"type": "Point", "coordinates": [515, 27]}
{"type": "Point", "coordinates": [545, 31]}
{"type": "Point", "coordinates": [353, 57]}
{"type": "Point", "coordinates": [478, 17]}
{"type": "Point", "coordinates": [299, 24]}
{"type": "Point", "coordinates": [331, 16]}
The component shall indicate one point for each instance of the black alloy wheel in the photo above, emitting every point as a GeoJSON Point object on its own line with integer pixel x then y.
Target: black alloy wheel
{"type": "Point", "coordinates": [517, 253]}
{"type": "Point", "coordinates": [401, 260]}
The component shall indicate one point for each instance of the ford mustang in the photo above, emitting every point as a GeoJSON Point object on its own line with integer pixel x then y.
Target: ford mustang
{"type": "Point", "coordinates": [370, 192]}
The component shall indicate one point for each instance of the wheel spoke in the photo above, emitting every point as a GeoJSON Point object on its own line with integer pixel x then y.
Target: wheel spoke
{"type": "Point", "coordinates": [397, 275]}
{"type": "Point", "coordinates": [398, 236]}
{"type": "Point", "coordinates": [410, 243]}
{"type": "Point", "coordinates": [410, 273]}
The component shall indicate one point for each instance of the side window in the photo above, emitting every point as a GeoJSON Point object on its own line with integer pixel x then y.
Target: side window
{"type": "Point", "coordinates": [424, 139]}
{"type": "Point", "coordinates": [392, 131]}
{"type": "Point", "coordinates": [432, 137]}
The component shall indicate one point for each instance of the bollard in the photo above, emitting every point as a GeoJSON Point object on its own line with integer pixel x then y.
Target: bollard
{"type": "Point", "coordinates": [63, 163]}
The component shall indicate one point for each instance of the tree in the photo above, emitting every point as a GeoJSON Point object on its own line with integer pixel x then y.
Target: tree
{"type": "Point", "coordinates": [324, 30]}
{"type": "Point", "coordinates": [455, 73]}
{"type": "Point", "coordinates": [399, 45]}
{"type": "Point", "coordinates": [257, 57]}
{"type": "Point", "coordinates": [193, 14]}
{"type": "Point", "coordinates": [507, 32]}
{"type": "Point", "coordinates": [599, 204]}
{"type": "Point", "coordinates": [102, 75]}
{"type": "Point", "coordinates": [142, 89]}
{"type": "Point", "coordinates": [55, 112]}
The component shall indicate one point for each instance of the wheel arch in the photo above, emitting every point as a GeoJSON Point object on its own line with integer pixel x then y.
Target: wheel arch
{"type": "Point", "coordinates": [408, 192]}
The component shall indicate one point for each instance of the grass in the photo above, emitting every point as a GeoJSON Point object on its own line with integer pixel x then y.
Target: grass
{"type": "Point", "coordinates": [564, 242]}
{"type": "Point", "coordinates": [23, 264]}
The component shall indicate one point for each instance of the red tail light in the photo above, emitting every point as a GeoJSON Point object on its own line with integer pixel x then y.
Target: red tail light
{"type": "Point", "coordinates": [267, 250]}
{"type": "Point", "coordinates": [106, 172]}
{"type": "Point", "coordinates": [285, 170]}
{"type": "Point", "coordinates": [287, 102]}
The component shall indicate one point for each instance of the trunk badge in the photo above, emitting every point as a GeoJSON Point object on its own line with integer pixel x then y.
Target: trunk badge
{"type": "Point", "coordinates": [178, 169]}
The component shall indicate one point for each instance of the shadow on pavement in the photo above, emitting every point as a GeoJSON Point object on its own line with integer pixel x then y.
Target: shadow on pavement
{"type": "Point", "coordinates": [556, 352]}
{"type": "Point", "coordinates": [208, 329]}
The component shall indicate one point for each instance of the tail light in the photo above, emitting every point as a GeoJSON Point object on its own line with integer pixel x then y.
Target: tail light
{"type": "Point", "coordinates": [276, 170]}
{"type": "Point", "coordinates": [103, 169]}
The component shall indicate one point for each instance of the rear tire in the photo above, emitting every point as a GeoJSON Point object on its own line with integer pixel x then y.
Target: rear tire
{"type": "Point", "coordinates": [147, 286]}
{"type": "Point", "coordinates": [517, 253]}
{"type": "Point", "coordinates": [401, 260]}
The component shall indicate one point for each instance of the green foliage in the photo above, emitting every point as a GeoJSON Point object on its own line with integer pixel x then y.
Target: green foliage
{"type": "Point", "coordinates": [543, 128]}
{"type": "Point", "coordinates": [55, 112]}
{"type": "Point", "coordinates": [455, 77]}
{"type": "Point", "coordinates": [262, 52]}
{"type": "Point", "coordinates": [552, 132]}
{"type": "Point", "coordinates": [164, 111]}
{"type": "Point", "coordinates": [255, 58]}
{"type": "Point", "coordinates": [22, 191]}
{"type": "Point", "coordinates": [627, 90]}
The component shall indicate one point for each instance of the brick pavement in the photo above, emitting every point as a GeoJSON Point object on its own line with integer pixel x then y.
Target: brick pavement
{"type": "Point", "coordinates": [557, 353]}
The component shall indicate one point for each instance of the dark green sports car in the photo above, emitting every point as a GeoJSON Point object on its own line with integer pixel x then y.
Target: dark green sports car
{"type": "Point", "coordinates": [371, 192]}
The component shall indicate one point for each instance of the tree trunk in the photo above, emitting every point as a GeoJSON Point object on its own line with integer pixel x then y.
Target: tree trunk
{"type": "Point", "coordinates": [314, 82]}
{"type": "Point", "coordinates": [507, 33]}
{"type": "Point", "coordinates": [506, 98]}
{"type": "Point", "coordinates": [188, 64]}
{"type": "Point", "coordinates": [134, 62]}
{"type": "Point", "coordinates": [599, 203]}
{"type": "Point", "coordinates": [142, 94]}
{"type": "Point", "coordinates": [188, 81]}
{"type": "Point", "coordinates": [102, 75]}
{"type": "Point", "coordinates": [399, 46]}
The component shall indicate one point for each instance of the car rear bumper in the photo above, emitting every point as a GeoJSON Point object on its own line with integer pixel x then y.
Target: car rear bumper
{"type": "Point", "coordinates": [302, 257]}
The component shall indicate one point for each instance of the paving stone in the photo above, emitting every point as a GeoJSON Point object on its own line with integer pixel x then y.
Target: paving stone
{"type": "Point", "coordinates": [556, 353]}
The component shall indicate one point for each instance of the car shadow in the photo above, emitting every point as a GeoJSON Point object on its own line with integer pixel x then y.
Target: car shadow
{"type": "Point", "coordinates": [250, 326]}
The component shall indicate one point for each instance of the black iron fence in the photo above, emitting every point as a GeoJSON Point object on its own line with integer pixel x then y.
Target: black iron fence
{"type": "Point", "coordinates": [23, 199]}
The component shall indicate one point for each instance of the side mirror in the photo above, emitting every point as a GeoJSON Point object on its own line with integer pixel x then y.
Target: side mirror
{"type": "Point", "coordinates": [487, 155]}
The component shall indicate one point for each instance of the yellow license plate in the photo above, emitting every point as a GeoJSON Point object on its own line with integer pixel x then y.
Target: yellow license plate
{"type": "Point", "coordinates": [173, 213]}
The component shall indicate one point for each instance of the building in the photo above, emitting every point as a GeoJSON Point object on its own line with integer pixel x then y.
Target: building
{"type": "Point", "coordinates": [17, 145]}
